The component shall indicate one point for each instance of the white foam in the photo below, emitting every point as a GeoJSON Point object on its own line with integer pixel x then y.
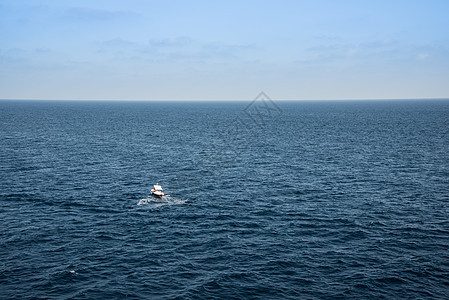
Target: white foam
{"type": "Point", "coordinates": [163, 201]}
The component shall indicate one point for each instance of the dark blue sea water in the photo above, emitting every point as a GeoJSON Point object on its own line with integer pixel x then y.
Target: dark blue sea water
{"type": "Point", "coordinates": [291, 200]}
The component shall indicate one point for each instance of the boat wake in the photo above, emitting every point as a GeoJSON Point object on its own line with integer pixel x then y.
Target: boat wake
{"type": "Point", "coordinates": [162, 201]}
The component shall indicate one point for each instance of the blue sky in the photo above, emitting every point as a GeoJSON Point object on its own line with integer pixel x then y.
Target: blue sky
{"type": "Point", "coordinates": [217, 50]}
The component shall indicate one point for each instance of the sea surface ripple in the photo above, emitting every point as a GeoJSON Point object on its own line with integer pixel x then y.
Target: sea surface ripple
{"type": "Point", "coordinates": [323, 200]}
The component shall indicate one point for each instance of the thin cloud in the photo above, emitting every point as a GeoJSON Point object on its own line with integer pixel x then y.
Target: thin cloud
{"type": "Point", "coordinates": [13, 56]}
{"type": "Point", "coordinates": [91, 14]}
{"type": "Point", "coordinates": [385, 49]}
{"type": "Point", "coordinates": [170, 42]}
{"type": "Point", "coordinates": [225, 47]}
{"type": "Point", "coordinates": [423, 56]}
{"type": "Point", "coordinates": [118, 43]}
{"type": "Point", "coordinates": [174, 49]}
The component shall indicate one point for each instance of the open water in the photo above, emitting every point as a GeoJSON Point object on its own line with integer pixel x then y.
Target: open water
{"type": "Point", "coordinates": [267, 200]}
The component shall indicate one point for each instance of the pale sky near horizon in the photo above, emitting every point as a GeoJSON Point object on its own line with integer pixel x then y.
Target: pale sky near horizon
{"type": "Point", "coordinates": [208, 50]}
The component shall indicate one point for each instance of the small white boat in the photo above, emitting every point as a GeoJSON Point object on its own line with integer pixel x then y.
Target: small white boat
{"type": "Point", "coordinates": [157, 191]}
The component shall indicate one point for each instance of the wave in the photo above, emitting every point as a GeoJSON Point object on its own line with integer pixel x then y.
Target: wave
{"type": "Point", "coordinates": [159, 202]}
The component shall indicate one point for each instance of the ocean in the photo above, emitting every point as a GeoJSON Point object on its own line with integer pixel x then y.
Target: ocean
{"type": "Point", "coordinates": [265, 199]}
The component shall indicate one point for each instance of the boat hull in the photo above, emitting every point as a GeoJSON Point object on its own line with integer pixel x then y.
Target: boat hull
{"type": "Point", "coordinates": [157, 193]}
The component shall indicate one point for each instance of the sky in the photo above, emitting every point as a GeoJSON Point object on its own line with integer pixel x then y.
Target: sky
{"type": "Point", "coordinates": [223, 50]}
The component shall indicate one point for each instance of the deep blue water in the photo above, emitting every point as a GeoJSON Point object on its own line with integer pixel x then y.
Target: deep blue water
{"type": "Point", "coordinates": [303, 200]}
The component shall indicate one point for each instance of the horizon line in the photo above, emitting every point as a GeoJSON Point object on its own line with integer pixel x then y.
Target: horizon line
{"type": "Point", "coordinates": [224, 100]}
